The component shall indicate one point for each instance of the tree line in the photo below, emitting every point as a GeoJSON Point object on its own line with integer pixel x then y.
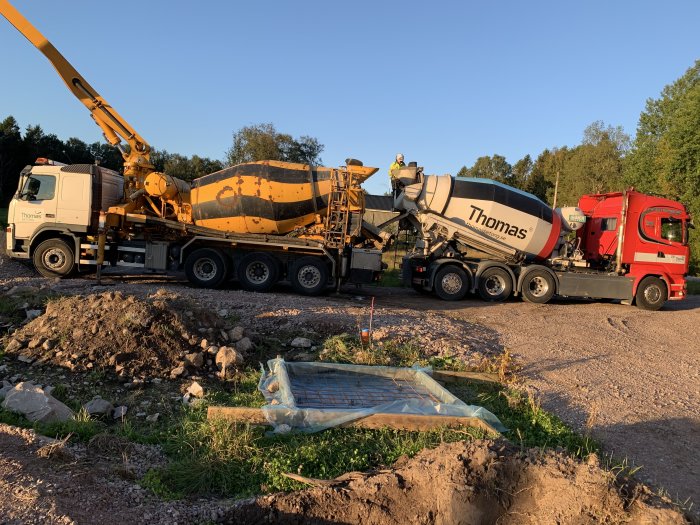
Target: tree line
{"type": "Point", "coordinates": [250, 143]}
{"type": "Point", "coordinates": [663, 158]}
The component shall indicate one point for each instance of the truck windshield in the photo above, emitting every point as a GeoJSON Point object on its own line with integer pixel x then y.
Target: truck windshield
{"type": "Point", "coordinates": [39, 187]}
{"type": "Point", "coordinates": [672, 230]}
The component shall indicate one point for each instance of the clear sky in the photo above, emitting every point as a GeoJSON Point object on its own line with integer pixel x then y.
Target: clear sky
{"type": "Point", "coordinates": [442, 82]}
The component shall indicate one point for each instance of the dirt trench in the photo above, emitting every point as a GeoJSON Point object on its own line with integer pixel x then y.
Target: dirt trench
{"type": "Point", "coordinates": [482, 483]}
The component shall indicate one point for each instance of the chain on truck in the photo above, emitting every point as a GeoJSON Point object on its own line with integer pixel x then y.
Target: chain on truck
{"type": "Point", "coordinates": [260, 222]}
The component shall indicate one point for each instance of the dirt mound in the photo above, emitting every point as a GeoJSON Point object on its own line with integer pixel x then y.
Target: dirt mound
{"type": "Point", "coordinates": [481, 483]}
{"type": "Point", "coordinates": [135, 338]}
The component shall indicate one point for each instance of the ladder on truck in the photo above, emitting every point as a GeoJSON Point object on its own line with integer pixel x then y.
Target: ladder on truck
{"type": "Point", "coordinates": [339, 216]}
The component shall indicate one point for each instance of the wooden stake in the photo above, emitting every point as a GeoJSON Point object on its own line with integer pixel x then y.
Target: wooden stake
{"type": "Point", "coordinates": [255, 416]}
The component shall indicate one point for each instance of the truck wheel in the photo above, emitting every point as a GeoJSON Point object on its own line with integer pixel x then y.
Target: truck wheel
{"type": "Point", "coordinates": [538, 287]}
{"type": "Point", "coordinates": [309, 275]}
{"type": "Point", "coordinates": [54, 258]}
{"type": "Point", "coordinates": [451, 283]}
{"type": "Point", "coordinates": [258, 272]}
{"type": "Point", "coordinates": [495, 284]}
{"type": "Point", "coordinates": [651, 293]}
{"type": "Point", "coordinates": [206, 268]}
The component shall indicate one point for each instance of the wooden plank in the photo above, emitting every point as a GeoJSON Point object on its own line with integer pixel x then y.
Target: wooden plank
{"type": "Point", "coordinates": [448, 376]}
{"type": "Point", "coordinates": [254, 416]}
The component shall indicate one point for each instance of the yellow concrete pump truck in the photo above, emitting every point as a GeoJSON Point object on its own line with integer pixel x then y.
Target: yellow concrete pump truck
{"type": "Point", "coordinates": [259, 222]}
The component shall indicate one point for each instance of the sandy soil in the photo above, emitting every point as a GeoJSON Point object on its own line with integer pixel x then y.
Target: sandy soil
{"type": "Point", "coordinates": [465, 483]}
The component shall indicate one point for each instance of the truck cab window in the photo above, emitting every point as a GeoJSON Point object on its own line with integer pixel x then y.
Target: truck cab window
{"type": "Point", "coordinates": [672, 230]}
{"type": "Point", "coordinates": [39, 188]}
{"type": "Point", "coordinates": [608, 224]}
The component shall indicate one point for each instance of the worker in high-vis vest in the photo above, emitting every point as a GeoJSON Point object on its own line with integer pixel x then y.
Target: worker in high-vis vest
{"type": "Point", "coordinates": [398, 163]}
{"type": "Point", "coordinates": [394, 173]}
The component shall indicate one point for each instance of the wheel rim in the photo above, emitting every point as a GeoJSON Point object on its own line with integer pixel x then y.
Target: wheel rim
{"type": "Point", "coordinates": [495, 285]}
{"type": "Point", "coordinates": [54, 259]}
{"type": "Point", "coordinates": [257, 272]}
{"type": "Point", "coordinates": [204, 269]}
{"type": "Point", "coordinates": [652, 294]}
{"type": "Point", "coordinates": [309, 276]}
{"type": "Point", "coordinates": [451, 283]}
{"type": "Point", "coordinates": [538, 286]}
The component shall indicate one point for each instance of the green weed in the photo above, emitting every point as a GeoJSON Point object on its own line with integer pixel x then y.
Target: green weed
{"type": "Point", "coordinates": [82, 428]}
{"type": "Point", "coordinates": [216, 457]}
{"type": "Point", "coordinates": [693, 287]}
{"type": "Point", "coordinates": [345, 348]}
{"type": "Point", "coordinates": [391, 278]}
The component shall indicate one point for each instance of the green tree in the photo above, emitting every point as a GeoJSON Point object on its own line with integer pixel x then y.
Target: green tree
{"type": "Point", "coordinates": [665, 155]}
{"type": "Point", "coordinates": [11, 158]}
{"type": "Point", "coordinates": [495, 167]}
{"type": "Point", "coordinates": [595, 166]}
{"type": "Point", "coordinates": [522, 171]}
{"type": "Point", "coordinates": [544, 173]}
{"type": "Point", "coordinates": [184, 167]}
{"type": "Point", "coordinates": [264, 142]}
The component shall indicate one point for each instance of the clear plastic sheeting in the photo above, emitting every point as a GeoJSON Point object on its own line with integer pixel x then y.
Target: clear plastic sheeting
{"type": "Point", "coordinates": [309, 397]}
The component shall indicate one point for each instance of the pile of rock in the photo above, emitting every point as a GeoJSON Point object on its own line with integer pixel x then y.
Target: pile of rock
{"type": "Point", "coordinates": [223, 359]}
{"type": "Point", "coordinates": [136, 339]}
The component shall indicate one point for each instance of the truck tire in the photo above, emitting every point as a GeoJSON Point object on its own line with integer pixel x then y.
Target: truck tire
{"type": "Point", "coordinates": [495, 284]}
{"type": "Point", "coordinates": [54, 258]}
{"type": "Point", "coordinates": [451, 283]}
{"type": "Point", "coordinates": [309, 275]}
{"type": "Point", "coordinates": [651, 293]}
{"type": "Point", "coordinates": [258, 272]}
{"type": "Point", "coordinates": [538, 287]}
{"type": "Point", "coordinates": [206, 268]}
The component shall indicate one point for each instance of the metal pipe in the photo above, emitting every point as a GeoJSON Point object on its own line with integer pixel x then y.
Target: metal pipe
{"type": "Point", "coordinates": [621, 233]}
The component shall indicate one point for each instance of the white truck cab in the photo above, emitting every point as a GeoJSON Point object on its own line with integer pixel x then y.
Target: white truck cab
{"type": "Point", "coordinates": [56, 206]}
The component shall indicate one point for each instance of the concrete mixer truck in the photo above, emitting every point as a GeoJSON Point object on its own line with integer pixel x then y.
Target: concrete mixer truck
{"type": "Point", "coordinates": [260, 222]}
{"type": "Point", "coordinates": [477, 235]}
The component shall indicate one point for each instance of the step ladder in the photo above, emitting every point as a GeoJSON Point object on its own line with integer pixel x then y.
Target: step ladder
{"type": "Point", "coordinates": [339, 217]}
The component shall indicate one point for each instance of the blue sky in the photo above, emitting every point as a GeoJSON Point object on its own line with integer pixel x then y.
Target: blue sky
{"type": "Point", "coordinates": [442, 82]}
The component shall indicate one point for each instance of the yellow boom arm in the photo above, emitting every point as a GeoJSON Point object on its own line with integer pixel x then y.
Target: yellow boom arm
{"type": "Point", "coordinates": [137, 160]}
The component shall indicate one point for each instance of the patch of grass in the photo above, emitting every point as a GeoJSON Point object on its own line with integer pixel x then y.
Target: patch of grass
{"type": "Point", "coordinates": [215, 457]}
{"type": "Point", "coordinates": [345, 348]}
{"type": "Point", "coordinates": [391, 278]}
{"type": "Point", "coordinates": [528, 424]}
{"type": "Point", "coordinates": [242, 391]}
{"type": "Point", "coordinates": [693, 287]}
{"type": "Point", "coordinates": [61, 392]}
{"type": "Point", "coordinates": [82, 428]}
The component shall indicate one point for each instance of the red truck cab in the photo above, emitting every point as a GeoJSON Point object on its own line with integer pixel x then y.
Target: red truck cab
{"type": "Point", "coordinates": [641, 236]}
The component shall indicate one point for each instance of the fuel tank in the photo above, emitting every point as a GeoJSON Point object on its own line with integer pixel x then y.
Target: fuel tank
{"type": "Point", "coordinates": [514, 218]}
{"type": "Point", "coordinates": [266, 197]}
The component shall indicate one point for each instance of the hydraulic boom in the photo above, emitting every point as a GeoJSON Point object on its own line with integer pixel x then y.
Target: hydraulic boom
{"type": "Point", "coordinates": [147, 190]}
